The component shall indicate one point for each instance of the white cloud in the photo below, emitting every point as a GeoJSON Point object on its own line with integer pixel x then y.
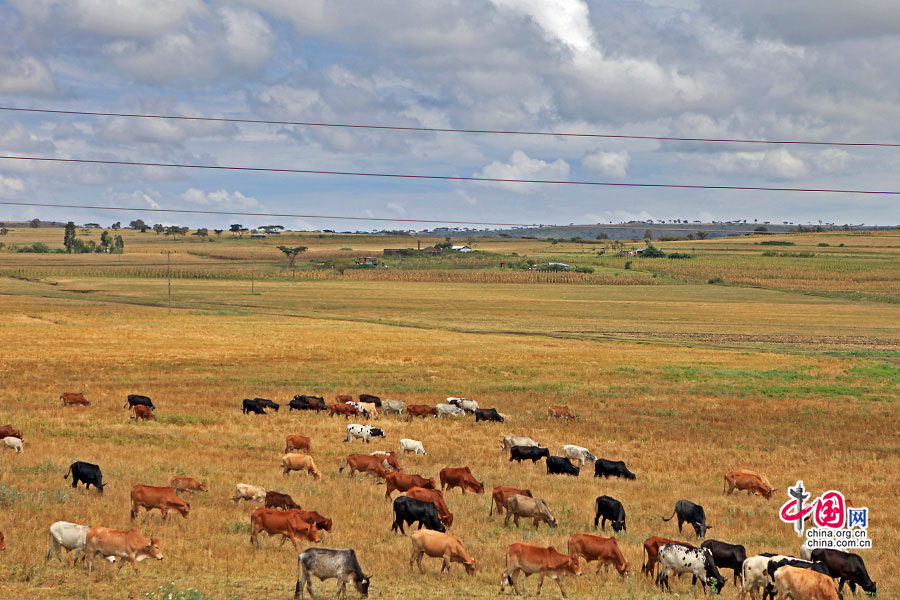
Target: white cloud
{"type": "Point", "coordinates": [833, 160]}
{"type": "Point", "coordinates": [249, 40]}
{"type": "Point", "coordinates": [25, 75]}
{"type": "Point", "coordinates": [397, 208]}
{"type": "Point", "coordinates": [220, 199]}
{"type": "Point", "coordinates": [10, 186]}
{"type": "Point", "coordinates": [779, 164]}
{"type": "Point", "coordinates": [131, 18]}
{"type": "Point", "coordinates": [612, 164]}
{"type": "Point", "coordinates": [522, 166]}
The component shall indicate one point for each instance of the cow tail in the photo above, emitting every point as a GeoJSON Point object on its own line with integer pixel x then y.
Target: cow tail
{"type": "Point", "coordinates": [66, 476]}
{"type": "Point", "coordinates": [670, 517]}
{"type": "Point", "coordinates": [297, 589]}
{"type": "Point", "coordinates": [647, 559]}
{"type": "Point", "coordinates": [724, 482]}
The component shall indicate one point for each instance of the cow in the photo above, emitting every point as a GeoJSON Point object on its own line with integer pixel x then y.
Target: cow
{"type": "Point", "coordinates": [245, 491]}
{"type": "Point", "coordinates": [288, 524]}
{"type": "Point", "coordinates": [74, 399]}
{"type": "Point", "coordinates": [327, 563]}
{"type": "Point", "coordinates": [279, 500]}
{"type": "Point", "coordinates": [297, 442]}
{"type": "Point", "coordinates": [692, 513]}
{"type": "Point", "coordinates": [87, 473]}
{"type": "Point", "coordinates": [360, 407]}
{"type": "Point", "coordinates": [578, 453]}
{"type": "Point", "coordinates": [751, 481]}
{"type": "Point", "coordinates": [403, 482]}
{"type": "Point", "coordinates": [651, 549]}
{"type": "Point", "coordinates": [560, 412]}
{"type": "Point", "coordinates": [774, 565]}
{"type": "Point", "coordinates": [612, 468]}
{"type": "Point", "coordinates": [187, 484]}
{"type": "Point", "coordinates": [420, 410]}
{"type": "Point", "coordinates": [470, 406]}
{"type": "Point", "coordinates": [436, 497]}
{"type": "Point", "coordinates": [299, 462]}
{"type": "Point", "coordinates": [389, 459]}
{"type": "Point", "coordinates": [460, 477]}
{"type": "Point", "coordinates": [343, 398]}
{"type": "Point", "coordinates": [448, 410]}
{"type": "Point", "coordinates": [605, 550]}
{"type": "Point", "coordinates": [363, 432]}
{"type": "Point", "coordinates": [532, 453]}
{"type": "Point", "coordinates": [321, 522]}
{"type": "Point", "coordinates": [341, 409]}
{"type": "Point", "coordinates": [163, 498]}
{"type": "Point", "coordinates": [409, 510]}
{"type": "Point", "coordinates": [727, 556]}
{"type": "Point", "coordinates": [138, 400]}
{"type": "Point", "coordinates": [127, 545]}
{"type": "Point", "coordinates": [518, 505]}
{"type": "Point", "coordinates": [517, 440]}
{"type": "Point", "coordinates": [304, 402]}
{"type": "Point", "coordinates": [2, 542]}
{"type": "Point", "coordinates": [414, 446]}
{"type": "Point", "coordinates": [488, 414]}
{"type": "Point", "coordinates": [697, 561]}
{"type": "Point", "coordinates": [846, 567]}
{"type": "Point", "coordinates": [370, 399]}
{"type": "Point", "coordinates": [440, 545]}
{"type": "Point", "coordinates": [610, 509]}
{"type": "Point", "coordinates": [364, 463]}
{"type": "Point", "coordinates": [13, 443]}
{"type": "Point", "coordinates": [10, 431]}
{"type": "Point", "coordinates": [252, 406]}
{"type": "Point", "coordinates": [142, 413]}
{"type": "Point", "coordinates": [557, 465]}
{"type": "Point", "coordinates": [393, 406]}
{"type": "Point", "coordinates": [265, 402]}
{"type": "Point", "coordinates": [546, 562]}
{"type": "Point", "coordinates": [70, 536]}
{"type": "Point", "coordinates": [370, 409]}
{"type": "Point", "coordinates": [755, 574]}
{"type": "Point", "coordinates": [501, 494]}
{"type": "Point", "coordinates": [803, 584]}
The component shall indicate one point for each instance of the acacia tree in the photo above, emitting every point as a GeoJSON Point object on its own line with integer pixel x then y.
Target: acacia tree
{"type": "Point", "coordinates": [291, 252]}
{"type": "Point", "coordinates": [174, 231]}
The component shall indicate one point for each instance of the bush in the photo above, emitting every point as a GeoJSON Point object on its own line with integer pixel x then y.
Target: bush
{"type": "Point", "coordinates": [716, 281]}
{"type": "Point", "coordinates": [652, 251]}
{"type": "Point", "coordinates": [628, 264]}
{"type": "Point", "coordinates": [776, 243]}
{"type": "Point", "coordinates": [823, 245]}
{"type": "Point", "coordinates": [38, 247]}
{"type": "Point", "coordinates": [584, 270]}
{"type": "Point", "coordinates": [679, 255]}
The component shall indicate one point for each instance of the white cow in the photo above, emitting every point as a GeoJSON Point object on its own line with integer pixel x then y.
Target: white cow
{"type": "Point", "coordinates": [578, 453]}
{"type": "Point", "coordinates": [470, 406]}
{"type": "Point", "coordinates": [70, 536]}
{"type": "Point", "coordinates": [245, 491]}
{"type": "Point", "coordinates": [363, 432]}
{"type": "Point", "coordinates": [445, 410]}
{"type": "Point", "coordinates": [517, 440]}
{"type": "Point", "coordinates": [13, 443]}
{"type": "Point", "coordinates": [755, 574]}
{"type": "Point", "coordinates": [414, 446]}
{"type": "Point", "coordinates": [675, 558]}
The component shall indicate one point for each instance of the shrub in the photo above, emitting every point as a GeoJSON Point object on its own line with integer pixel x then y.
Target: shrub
{"type": "Point", "coordinates": [823, 245]}
{"type": "Point", "coordinates": [39, 247]}
{"type": "Point", "coordinates": [776, 243]}
{"type": "Point", "coordinates": [716, 281]}
{"type": "Point", "coordinates": [652, 251]}
{"type": "Point", "coordinates": [628, 264]}
{"type": "Point", "coordinates": [679, 255]}
{"type": "Point", "coordinates": [584, 270]}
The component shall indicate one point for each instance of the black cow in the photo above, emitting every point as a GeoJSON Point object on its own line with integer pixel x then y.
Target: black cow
{"type": "Point", "coordinates": [727, 556]}
{"type": "Point", "coordinates": [488, 414]}
{"type": "Point", "coordinates": [138, 400]}
{"type": "Point", "coordinates": [370, 398]}
{"type": "Point", "coordinates": [304, 402]}
{"type": "Point", "coordinates": [691, 513]}
{"type": "Point", "coordinates": [409, 510]}
{"type": "Point", "coordinates": [265, 402]}
{"type": "Point", "coordinates": [252, 406]}
{"type": "Point", "coordinates": [531, 453]}
{"type": "Point", "coordinates": [611, 468]}
{"type": "Point", "coordinates": [610, 509]}
{"type": "Point", "coordinates": [558, 465]}
{"type": "Point", "coordinates": [87, 473]}
{"type": "Point", "coordinates": [847, 567]}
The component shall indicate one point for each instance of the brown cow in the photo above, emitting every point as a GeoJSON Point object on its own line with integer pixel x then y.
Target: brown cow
{"type": "Point", "coordinates": [344, 398]}
{"type": "Point", "coordinates": [320, 521]}
{"type": "Point", "coordinates": [163, 498]}
{"type": "Point", "coordinates": [298, 442]}
{"type": "Point", "coordinates": [440, 545]}
{"type": "Point", "coordinates": [546, 562]}
{"type": "Point", "coordinates": [2, 541]}
{"type": "Point", "coordinates": [651, 548]}
{"type": "Point", "coordinates": [420, 410]}
{"type": "Point", "coordinates": [365, 463]}
{"type": "Point", "coordinates": [288, 524]}
{"type": "Point", "coordinates": [605, 550]}
{"type": "Point", "coordinates": [299, 462]}
{"type": "Point", "coordinates": [9, 431]}
{"type": "Point", "coordinates": [338, 408]}
{"type": "Point", "coordinates": [404, 482]}
{"type": "Point", "coordinates": [462, 478]}
{"type": "Point", "coordinates": [127, 545]}
{"type": "Point", "coordinates": [501, 494]}
{"type": "Point", "coordinates": [560, 412]}
{"type": "Point", "coordinates": [751, 481]}
{"type": "Point", "coordinates": [804, 584]}
{"type": "Point", "coordinates": [142, 413]}
{"type": "Point", "coordinates": [436, 497]}
{"type": "Point", "coordinates": [74, 398]}
{"type": "Point", "coordinates": [187, 484]}
{"type": "Point", "coordinates": [279, 500]}
{"type": "Point", "coordinates": [390, 457]}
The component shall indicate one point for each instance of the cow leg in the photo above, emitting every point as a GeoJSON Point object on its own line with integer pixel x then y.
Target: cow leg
{"type": "Point", "coordinates": [540, 583]}
{"type": "Point", "coordinates": [165, 512]}
{"type": "Point", "coordinates": [446, 565]}
{"type": "Point", "coordinates": [537, 523]}
{"type": "Point", "coordinates": [560, 584]}
{"type": "Point", "coordinates": [506, 520]}
{"type": "Point", "coordinates": [680, 522]}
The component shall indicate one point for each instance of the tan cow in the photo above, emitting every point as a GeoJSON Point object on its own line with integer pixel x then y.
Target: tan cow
{"type": "Point", "coordinates": [518, 505]}
{"type": "Point", "coordinates": [546, 562]}
{"type": "Point", "coordinates": [605, 550]}
{"type": "Point", "coordinates": [560, 412]}
{"type": "Point", "coordinates": [288, 524]}
{"type": "Point", "coordinates": [187, 484]}
{"type": "Point", "coordinates": [245, 491]}
{"type": "Point", "coordinates": [74, 398]}
{"type": "Point", "coordinates": [371, 409]}
{"type": "Point", "coordinates": [404, 482]}
{"type": "Point", "coordinates": [440, 545]}
{"type": "Point", "coordinates": [299, 462]}
{"type": "Point", "coordinates": [163, 498]}
{"type": "Point", "coordinates": [365, 463]}
{"type": "Point", "coordinates": [804, 584]}
{"type": "Point", "coordinates": [751, 481]}
{"type": "Point", "coordinates": [127, 545]}
{"type": "Point", "coordinates": [501, 494]}
{"type": "Point", "coordinates": [298, 442]}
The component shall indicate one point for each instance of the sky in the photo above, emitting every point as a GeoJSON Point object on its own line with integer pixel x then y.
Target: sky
{"type": "Point", "coordinates": [815, 70]}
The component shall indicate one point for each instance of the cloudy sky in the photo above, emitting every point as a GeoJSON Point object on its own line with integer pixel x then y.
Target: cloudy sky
{"type": "Point", "coordinates": [820, 70]}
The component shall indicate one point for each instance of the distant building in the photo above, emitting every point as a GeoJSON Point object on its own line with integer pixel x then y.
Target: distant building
{"type": "Point", "coordinates": [461, 248]}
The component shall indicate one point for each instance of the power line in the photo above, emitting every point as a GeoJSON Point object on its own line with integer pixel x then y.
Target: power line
{"type": "Point", "coordinates": [451, 177]}
{"type": "Point", "coordinates": [450, 130]}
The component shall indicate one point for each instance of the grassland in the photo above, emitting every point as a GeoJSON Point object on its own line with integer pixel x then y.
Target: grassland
{"type": "Point", "coordinates": [794, 375]}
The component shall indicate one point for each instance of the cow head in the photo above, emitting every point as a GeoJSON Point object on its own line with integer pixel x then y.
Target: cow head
{"type": "Point", "coordinates": [477, 486]}
{"type": "Point", "coordinates": [184, 510]}
{"type": "Point", "coordinates": [471, 566]}
{"type": "Point", "coordinates": [375, 432]}
{"type": "Point", "coordinates": [203, 487]}
{"type": "Point", "coordinates": [574, 565]}
{"type": "Point", "coordinates": [618, 525]}
{"type": "Point", "coordinates": [767, 492]}
{"type": "Point", "coordinates": [362, 584]}
{"type": "Point", "coordinates": [151, 550]}
{"type": "Point", "coordinates": [700, 529]}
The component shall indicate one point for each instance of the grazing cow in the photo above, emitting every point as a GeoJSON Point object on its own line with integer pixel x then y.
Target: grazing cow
{"type": "Point", "coordinates": [751, 481]}
{"type": "Point", "coordinates": [297, 442]}
{"type": "Point", "coordinates": [393, 406]}
{"type": "Point", "coordinates": [321, 522]}
{"type": "Point", "coordinates": [727, 556]}
{"type": "Point", "coordinates": [518, 505]}
{"type": "Point", "coordinates": [142, 413]}
{"type": "Point", "coordinates": [299, 462]}
{"type": "Point", "coordinates": [414, 446]}
{"type": "Point", "coordinates": [560, 412]}
{"type": "Point", "coordinates": [370, 399]}
{"type": "Point", "coordinates": [187, 484]}
{"type": "Point", "coordinates": [440, 545]}
{"type": "Point", "coordinates": [366, 464]}
{"type": "Point", "coordinates": [344, 398]}
{"type": "Point", "coordinates": [557, 465]}
{"type": "Point", "coordinates": [470, 406]}
{"type": "Point", "coordinates": [546, 562]}
{"type": "Point", "coordinates": [501, 494]}
{"type": "Point", "coordinates": [697, 561]}
{"type": "Point", "coordinates": [363, 432]}
{"type": "Point", "coordinates": [462, 478]}
{"type": "Point", "coordinates": [279, 500]}
{"type": "Point", "coordinates": [70, 536]}
{"type": "Point", "coordinates": [304, 402]}
{"type": "Point", "coordinates": [409, 510]}
{"type": "Point", "coordinates": [612, 468]}
{"type": "Point", "coordinates": [517, 440]}
{"type": "Point", "coordinates": [755, 574]}
{"type": "Point", "coordinates": [605, 550]}
{"type": "Point", "coordinates": [163, 498]}
{"type": "Point", "coordinates": [245, 491]}
{"type": "Point", "coordinates": [369, 408]}
{"type": "Point", "coordinates": [578, 453]}
{"type": "Point", "coordinates": [436, 497]}
{"type": "Point", "coordinates": [610, 509]}
{"type": "Point", "coordinates": [138, 400]}
{"type": "Point", "coordinates": [803, 584]}
{"type": "Point", "coordinates": [420, 410]}
{"type": "Point", "coordinates": [252, 406]}
{"type": "Point", "coordinates": [13, 443]}
{"type": "Point", "coordinates": [359, 406]}
{"type": "Point", "coordinates": [651, 549]}
{"type": "Point", "coordinates": [288, 524]}
{"type": "Point", "coordinates": [327, 563]}
{"type": "Point", "coordinates": [389, 459]}
{"type": "Point", "coordinates": [74, 398]}
{"type": "Point", "coordinates": [692, 513]}
{"type": "Point", "coordinates": [846, 567]}
{"type": "Point", "coordinates": [341, 409]}
{"type": "Point", "coordinates": [448, 410]}
{"type": "Point", "coordinates": [127, 545]}
{"type": "Point", "coordinates": [403, 482]}
{"type": "Point", "coordinates": [265, 402]}
{"type": "Point", "coordinates": [488, 414]}
{"type": "Point", "coordinates": [9, 431]}
{"type": "Point", "coordinates": [532, 453]}
{"type": "Point", "coordinates": [774, 565]}
{"type": "Point", "coordinates": [87, 473]}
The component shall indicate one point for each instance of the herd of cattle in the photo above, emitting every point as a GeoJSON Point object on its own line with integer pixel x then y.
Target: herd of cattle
{"type": "Point", "coordinates": [818, 574]}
